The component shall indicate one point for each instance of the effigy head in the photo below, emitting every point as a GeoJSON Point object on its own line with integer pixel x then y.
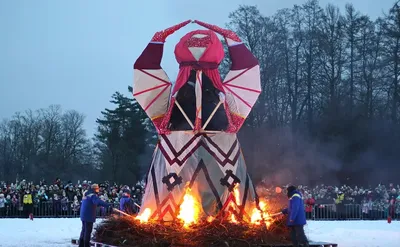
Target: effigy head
{"type": "Point", "coordinates": [199, 46]}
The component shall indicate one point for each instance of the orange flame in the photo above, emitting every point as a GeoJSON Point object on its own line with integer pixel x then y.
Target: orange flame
{"type": "Point", "coordinates": [233, 218]}
{"type": "Point", "coordinates": [236, 195]}
{"type": "Point", "coordinates": [144, 217]}
{"type": "Point", "coordinates": [189, 210]}
{"type": "Point", "coordinates": [261, 215]}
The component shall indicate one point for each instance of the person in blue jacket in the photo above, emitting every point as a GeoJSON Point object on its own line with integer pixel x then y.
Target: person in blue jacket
{"type": "Point", "coordinates": [296, 217]}
{"type": "Point", "coordinates": [90, 201]}
{"type": "Point", "coordinates": [126, 203]}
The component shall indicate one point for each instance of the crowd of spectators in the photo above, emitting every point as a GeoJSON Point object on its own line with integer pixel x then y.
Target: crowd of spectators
{"type": "Point", "coordinates": [376, 202]}
{"type": "Point", "coordinates": [58, 199]}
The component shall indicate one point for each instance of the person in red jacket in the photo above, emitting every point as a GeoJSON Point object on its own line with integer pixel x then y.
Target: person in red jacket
{"type": "Point", "coordinates": [310, 202]}
{"type": "Point", "coordinates": [392, 209]}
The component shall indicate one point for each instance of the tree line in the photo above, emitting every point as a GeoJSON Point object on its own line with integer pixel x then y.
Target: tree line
{"type": "Point", "coordinates": [50, 143]}
{"type": "Point", "coordinates": [329, 108]}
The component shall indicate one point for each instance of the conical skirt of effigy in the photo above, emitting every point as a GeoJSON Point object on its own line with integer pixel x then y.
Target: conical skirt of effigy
{"type": "Point", "coordinates": [210, 164]}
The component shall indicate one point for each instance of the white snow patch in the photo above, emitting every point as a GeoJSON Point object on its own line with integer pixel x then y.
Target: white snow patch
{"type": "Point", "coordinates": [59, 232]}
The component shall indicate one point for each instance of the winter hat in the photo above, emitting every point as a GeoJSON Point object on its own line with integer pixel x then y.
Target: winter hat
{"type": "Point", "coordinates": [95, 186]}
{"type": "Point", "coordinates": [1, 195]}
{"type": "Point", "coordinates": [291, 189]}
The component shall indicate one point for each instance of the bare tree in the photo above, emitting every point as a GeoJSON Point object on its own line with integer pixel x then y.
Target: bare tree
{"type": "Point", "coordinates": [391, 27]}
{"type": "Point", "coordinates": [313, 15]}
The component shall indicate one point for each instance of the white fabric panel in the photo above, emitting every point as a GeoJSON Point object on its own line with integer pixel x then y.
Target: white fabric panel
{"type": "Point", "coordinates": [197, 52]}
{"type": "Point", "coordinates": [143, 82]}
{"type": "Point", "coordinates": [198, 91]}
{"type": "Point", "coordinates": [224, 143]}
{"type": "Point", "coordinates": [238, 88]}
{"type": "Point", "coordinates": [178, 140]}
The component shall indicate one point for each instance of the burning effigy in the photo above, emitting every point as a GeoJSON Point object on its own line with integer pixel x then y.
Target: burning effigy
{"type": "Point", "coordinates": [197, 185]}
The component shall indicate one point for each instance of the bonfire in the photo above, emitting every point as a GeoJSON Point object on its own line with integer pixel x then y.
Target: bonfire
{"type": "Point", "coordinates": [191, 228]}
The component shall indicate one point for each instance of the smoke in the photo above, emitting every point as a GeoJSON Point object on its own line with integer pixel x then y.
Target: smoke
{"type": "Point", "coordinates": [362, 152]}
{"type": "Point", "coordinates": [280, 156]}
{"type": "Point", "coordinates": [376, 155]}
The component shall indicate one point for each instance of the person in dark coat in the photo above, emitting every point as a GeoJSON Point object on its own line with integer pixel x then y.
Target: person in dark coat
{"type": "Point", "coordinates": [90, 201]}
{"type": "Point", "coordinates": [296, 217]}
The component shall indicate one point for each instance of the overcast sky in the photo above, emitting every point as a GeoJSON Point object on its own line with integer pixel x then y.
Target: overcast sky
{"type": "Point", "coordinates": [78, 53]}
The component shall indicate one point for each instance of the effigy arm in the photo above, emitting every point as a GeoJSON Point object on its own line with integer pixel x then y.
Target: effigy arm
{"type": "Point", "coordinates": [151, 85]}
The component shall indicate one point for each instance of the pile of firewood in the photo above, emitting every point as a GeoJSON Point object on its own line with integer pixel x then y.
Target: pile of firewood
{"type": "Point", "coordinates": [126, 231]}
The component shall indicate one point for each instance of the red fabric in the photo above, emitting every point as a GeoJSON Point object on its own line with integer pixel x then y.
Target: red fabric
{"type": "Point", "coordinates": [241, 57]}
{"type": "Point", "coordinates": [150, 57]}
{"type": "Point", "coordinates": [208, 63]}
{"type": "Point", "coordinates": [309, 205]}
{"type": "Point", "coordinates": [162, 35]}
{"type": "Point", "coordinates": [392, 207]}
{"type": "Point", "coordinates": [157, 123]}
{"type": "Point", "coordinates": [213, 54]}
{"type": "Point", "coordinates": [235, 121]}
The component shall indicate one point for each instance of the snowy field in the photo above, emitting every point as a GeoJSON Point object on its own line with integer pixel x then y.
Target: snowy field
{"type": "Point", "coordinates": [58, 232]}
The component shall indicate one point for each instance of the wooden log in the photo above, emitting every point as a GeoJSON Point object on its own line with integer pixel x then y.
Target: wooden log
{"type": "Point", "coordinates": [184, 114]}
{"type": "Point", "coordinates": [211, 115]}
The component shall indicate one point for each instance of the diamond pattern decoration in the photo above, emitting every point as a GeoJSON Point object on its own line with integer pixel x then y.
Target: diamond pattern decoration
{"type": "Point", "coordinates": [171, 180]}
{"type": "Point", "coordinates": [230, 180]}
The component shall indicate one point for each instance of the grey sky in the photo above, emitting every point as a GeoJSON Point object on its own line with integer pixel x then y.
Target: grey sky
{"type": "Point", "coordinates": [77, 53]}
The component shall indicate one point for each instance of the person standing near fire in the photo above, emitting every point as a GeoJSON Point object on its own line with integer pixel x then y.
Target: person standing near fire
{"type": "Point", "coordinates": [296, 217]}
{"type": "Point", "coordinates": [90, 201]}
{"type": "Point", "coordinates": [126, 202]}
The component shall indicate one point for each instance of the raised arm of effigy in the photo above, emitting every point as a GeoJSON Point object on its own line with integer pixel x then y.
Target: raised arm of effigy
{"type": "Point", "coordinates": [151, 86]}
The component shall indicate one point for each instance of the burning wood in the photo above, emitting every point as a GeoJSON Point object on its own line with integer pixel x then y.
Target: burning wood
{"type": "Point", "coordinates": [125, 231]}
{"type": "Point", "coordinates": [192, 229]}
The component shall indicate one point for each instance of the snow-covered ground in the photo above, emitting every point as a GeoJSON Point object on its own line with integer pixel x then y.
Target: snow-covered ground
{"type": "Point", "coordinates": [58, 232]}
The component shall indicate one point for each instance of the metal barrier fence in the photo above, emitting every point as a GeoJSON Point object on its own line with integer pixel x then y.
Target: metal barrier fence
{"type": "Point", "coordinates": [348, 212]}
{"type": "Point", "coordinates": [319, 212]}
{"type": "Point", "coordinates": [47, 210]}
